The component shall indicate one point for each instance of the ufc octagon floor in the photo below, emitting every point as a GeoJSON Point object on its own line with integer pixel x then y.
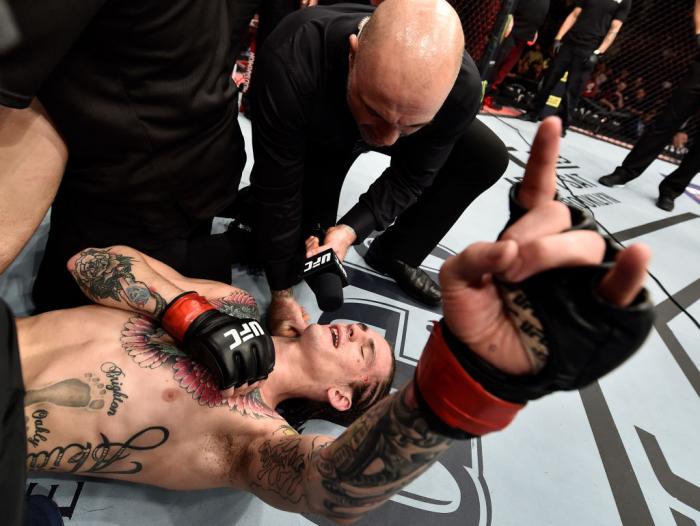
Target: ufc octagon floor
{"type": "Point", "coordinates": [624, 451]}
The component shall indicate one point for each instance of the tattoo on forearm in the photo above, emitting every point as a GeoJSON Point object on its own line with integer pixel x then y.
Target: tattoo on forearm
{"type": "Point", "coordinates": [381, 452]}
{"type": "Point", "coordinates": [238, 304]}
{"type": "Point", "coordinates": [107, 457]}
{"type": "Point", "coordinates": [385, 449]}
{"type": "Point", "coordinates": [103, 275]}
{"type": "Point", "coordinates": [39, 417]}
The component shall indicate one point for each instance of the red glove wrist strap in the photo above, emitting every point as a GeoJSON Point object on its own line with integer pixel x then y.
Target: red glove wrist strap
{"type": "Point", "coordinates": [455, 397]}
{"type": "Point", "coordinates": [182, 311]}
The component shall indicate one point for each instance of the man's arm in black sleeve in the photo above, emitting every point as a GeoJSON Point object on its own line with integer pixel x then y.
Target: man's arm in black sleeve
{"type": "Point", "coordinates": [417, 159]}
{"type": "Point", "coordinates": [279, 145]}
{"type": "Point", "coordinates": [48, 29]}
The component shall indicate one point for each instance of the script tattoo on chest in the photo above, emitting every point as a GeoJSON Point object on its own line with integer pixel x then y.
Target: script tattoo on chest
{"type": "Point", "coordinates": [39, 435]}
{"type": "Point", "coordinates": [114, 375]}
{"type": "Point", "coordinates": [150, 347]}
{"type": "Point", "coordinates": [107, 457]}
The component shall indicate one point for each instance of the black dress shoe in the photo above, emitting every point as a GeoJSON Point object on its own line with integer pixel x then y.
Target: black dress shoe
{"type": "Point", "coordinates": [665, 202]}
{"type": "Point", "coordinates": [412, 280]}
{"type": "Point", "coordinates": [615, 179]}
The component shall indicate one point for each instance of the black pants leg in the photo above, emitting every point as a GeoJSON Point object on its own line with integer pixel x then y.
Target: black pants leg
{"type": "Point", "coordinates": [560, 63]}
{"type": "Point", "coordinates": [675, 183]}
{"type": "Point", "coordinates": [684, 102]}
{"type": "Point", "coordinates": [580, 69]}
{"type": "Point", "coordinates": [476, 162]}
{"type": "Point", "coordinates": [13, 450]}
{"type": "Point", "coordinates": [508, 57]}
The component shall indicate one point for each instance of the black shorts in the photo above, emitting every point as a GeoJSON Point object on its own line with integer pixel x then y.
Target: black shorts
{"type": "Point", "coordinates": [12, 430]}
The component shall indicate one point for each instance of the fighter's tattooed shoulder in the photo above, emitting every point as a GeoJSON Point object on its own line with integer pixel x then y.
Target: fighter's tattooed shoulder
{"type": "Point", "coordinates": [252, 404]}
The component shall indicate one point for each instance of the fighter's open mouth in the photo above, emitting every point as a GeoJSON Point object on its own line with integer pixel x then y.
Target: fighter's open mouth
{"type": "Point", "coordinates": [336, 336]}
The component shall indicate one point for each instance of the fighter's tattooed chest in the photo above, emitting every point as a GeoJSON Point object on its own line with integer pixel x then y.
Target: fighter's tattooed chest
{"type": "Point", "coordinates": [150, 347]}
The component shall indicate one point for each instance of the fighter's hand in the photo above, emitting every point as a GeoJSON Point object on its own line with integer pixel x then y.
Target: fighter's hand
{"type": "Point", "coordinates": [473, 308]}
{"type": "Point", "coordinates": [285, 317]}
{"type": "Point", "coordinates": [237, 351]}
{"type": "Point", "coordinates": [543, 309]}
{"type": "Point", "coordinates": [307, 3]}
{"type": "Point", "coordinates": [340, 238]}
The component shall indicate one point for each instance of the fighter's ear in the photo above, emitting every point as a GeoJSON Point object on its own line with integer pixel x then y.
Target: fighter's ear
{"type": "Point", "coordinates": [340, 397]}
{"type": "Point", "coordinates": [354, 42]}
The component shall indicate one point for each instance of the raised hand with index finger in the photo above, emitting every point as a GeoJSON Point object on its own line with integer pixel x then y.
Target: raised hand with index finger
{"type": "Point", "coordinates": [549, 306]}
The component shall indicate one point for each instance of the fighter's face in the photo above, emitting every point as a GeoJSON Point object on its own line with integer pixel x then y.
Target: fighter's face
{"type": "Point", "coordinates": [346, 353]}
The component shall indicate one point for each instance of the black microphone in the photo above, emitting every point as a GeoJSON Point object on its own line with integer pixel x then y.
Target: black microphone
{"type": "Point", "coordinates": [326, 276]}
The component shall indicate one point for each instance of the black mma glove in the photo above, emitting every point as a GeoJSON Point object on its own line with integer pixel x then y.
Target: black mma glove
{"type": "Point", "coordinates": [594, 58]}
{"type": "Point", "coordinates": [573, 334]}
{"type": "Point", "coordinates": [556, 47]}
{"type": "Point", "coordinates": [236, 351]}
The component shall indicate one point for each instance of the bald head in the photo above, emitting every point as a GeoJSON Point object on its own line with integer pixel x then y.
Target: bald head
{"type": "Point", "coordinates": [407, 58]}
{"type": "Point", "coordinates": [419, 41]}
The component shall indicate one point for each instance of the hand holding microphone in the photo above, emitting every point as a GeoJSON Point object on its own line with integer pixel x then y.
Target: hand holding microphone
{"type": "Point", "coordinates": [339, 237]}
{"type": "Point", "coordinates": [323, 269]}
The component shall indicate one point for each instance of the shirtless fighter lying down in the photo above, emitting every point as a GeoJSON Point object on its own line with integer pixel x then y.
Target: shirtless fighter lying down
{"type": "Point", "coordinates": [109, 394]}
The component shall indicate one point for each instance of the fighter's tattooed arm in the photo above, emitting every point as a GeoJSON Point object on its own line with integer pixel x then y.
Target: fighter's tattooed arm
{"type": "Point", "coordinates": [121, 277]}
{"type": "Point", "coordinates": [383, 451]}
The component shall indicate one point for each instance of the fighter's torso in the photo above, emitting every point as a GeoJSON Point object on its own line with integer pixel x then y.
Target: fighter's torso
{"type": "Point", "coordinates": [108, 394]}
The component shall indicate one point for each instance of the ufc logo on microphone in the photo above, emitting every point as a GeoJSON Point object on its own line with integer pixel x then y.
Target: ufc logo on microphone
{"type": "Point", "coordinates": [249, 330]}
{"type": "Point", "coordinates": [324, 258]}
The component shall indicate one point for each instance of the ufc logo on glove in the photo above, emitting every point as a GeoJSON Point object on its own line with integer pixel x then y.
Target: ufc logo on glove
{"type": "Point", "coordinates": [249, 330]}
